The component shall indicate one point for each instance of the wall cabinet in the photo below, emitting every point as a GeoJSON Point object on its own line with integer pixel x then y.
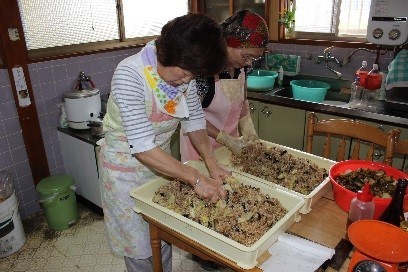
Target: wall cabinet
{"type": "Point", "coordinates": [80, 163]}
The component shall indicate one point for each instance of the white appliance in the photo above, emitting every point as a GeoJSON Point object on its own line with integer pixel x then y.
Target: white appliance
{"type": "Point", "coordinates": [81, 106]}
{"type": "Point", "coordinates": [387, 22]}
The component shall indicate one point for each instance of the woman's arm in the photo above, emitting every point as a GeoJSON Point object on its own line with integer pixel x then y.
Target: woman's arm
{"type": "Point", "coordinates": [201, 142]}
{"type": "Point", "coordinates": [160, 161]}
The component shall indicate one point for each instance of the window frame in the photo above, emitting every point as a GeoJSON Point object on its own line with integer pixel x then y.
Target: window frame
{"type": "Point", "coordinates": [276, 34]}
{"type": "Point", "coordinates": [319, 39]}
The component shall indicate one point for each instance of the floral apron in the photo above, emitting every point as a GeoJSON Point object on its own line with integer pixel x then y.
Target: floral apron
{"type": "Point", "coordinates": [128, 232]}
{"type": "Point", "coordinates": [223, 112]}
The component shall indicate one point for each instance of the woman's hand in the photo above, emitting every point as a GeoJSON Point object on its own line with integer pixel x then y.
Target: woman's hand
{"type": "Point", "coordinates": [209, 189]}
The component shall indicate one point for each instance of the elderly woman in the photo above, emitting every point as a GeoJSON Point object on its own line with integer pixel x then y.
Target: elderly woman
{"type": "Point", "coordinates": [152, 91]}
{"type": "Point", "coordinates": [224, 95]}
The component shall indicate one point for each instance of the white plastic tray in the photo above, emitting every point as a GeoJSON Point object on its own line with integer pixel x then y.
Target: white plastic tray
{"type": "Point", "coordinates": [223, 156]}
{"type": "Point", "coordinates": [245, 257]}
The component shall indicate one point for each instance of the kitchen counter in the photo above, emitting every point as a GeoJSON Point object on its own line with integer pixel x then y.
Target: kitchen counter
{"type": "Point", "coordinates": [81, 134]}
{"type": "Point", "coordinates": [388, 113]}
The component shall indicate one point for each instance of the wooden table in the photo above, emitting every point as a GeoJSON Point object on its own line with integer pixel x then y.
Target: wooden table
{"type": "Point", "coordinates": [325, 224]}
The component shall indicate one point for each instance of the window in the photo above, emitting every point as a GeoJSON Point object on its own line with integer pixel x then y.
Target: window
{"type": "Point", "coordinates": [59, 24]}
{"type": "Point", "coordinates": [337, 18]}
{"type": "Point", "coordinates": [222, 9]}
{"type": "Point", "coordinates": [147, 19]}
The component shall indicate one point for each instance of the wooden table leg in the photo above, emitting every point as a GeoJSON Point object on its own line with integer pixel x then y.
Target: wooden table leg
{"type": "Point", "coordinates": [156, 248]}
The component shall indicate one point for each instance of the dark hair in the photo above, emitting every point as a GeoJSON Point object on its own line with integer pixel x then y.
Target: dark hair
{"type": "Point", "coordinates": [194, 43]}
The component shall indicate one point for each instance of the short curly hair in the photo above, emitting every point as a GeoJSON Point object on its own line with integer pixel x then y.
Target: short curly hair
{"type": "Point", "coordinates": [194, 43]}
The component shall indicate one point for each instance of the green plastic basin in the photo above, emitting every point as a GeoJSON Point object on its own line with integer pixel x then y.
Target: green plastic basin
{"type": "Point", "coordinates": [309, 90]}
{"type": "Point", "coordinates": [261, 80]}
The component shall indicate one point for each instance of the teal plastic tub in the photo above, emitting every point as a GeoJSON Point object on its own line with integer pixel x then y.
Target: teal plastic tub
{"type": "Point", "coordinates": [261, 80]}
{"type": "Point", "coordinates": [309, 90]}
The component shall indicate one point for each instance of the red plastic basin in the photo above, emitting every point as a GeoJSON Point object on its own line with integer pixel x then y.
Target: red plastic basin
{"type": "Point", "coordinates": [343, 196]}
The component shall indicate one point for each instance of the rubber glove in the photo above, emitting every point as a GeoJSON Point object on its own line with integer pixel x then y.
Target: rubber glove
{"type": "Point", "coordinates": [235, 145]}
{"type": "Point", "coordinates": [247, 129]}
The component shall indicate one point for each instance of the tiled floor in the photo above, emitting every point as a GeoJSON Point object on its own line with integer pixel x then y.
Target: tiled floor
{"type": "Point", "coordinates": [81, 248]}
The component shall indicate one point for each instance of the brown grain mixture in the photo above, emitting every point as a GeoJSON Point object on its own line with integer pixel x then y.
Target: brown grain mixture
{"type": "Point", "coordinates": [278, 166]}
{"type": "Point", "coordinates": [244, 216]}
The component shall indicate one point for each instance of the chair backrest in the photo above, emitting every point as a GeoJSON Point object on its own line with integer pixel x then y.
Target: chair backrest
{"type": "Point", "coordinates": [401, 147]}
{"type": "Point", "coordinates": [359, 132]}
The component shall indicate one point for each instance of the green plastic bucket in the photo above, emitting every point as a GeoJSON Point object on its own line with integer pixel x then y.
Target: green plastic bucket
{"type": "Point", "coordinates": [57, 196]}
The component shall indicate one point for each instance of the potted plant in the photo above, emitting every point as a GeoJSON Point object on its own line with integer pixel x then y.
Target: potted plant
{"type": "Point", "coordinates": [287, 19]}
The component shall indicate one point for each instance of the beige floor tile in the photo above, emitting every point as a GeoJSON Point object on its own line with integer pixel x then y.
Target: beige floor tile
{"type": "Point", "coordinates": [81, 248]}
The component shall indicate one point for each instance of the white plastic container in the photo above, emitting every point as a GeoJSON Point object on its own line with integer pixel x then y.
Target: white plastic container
{"type": "Point", "coordinates": [81, 106]}
{"type": "Point", "coordinates": [280, 76]}
{"type": "Point", "coordinates": [362, 206]}
{"type": "Point", "coordinates": [12, 236]}
{"type": "Point", "coordinates": [244, 256]}
{"type": "Point", "coordinates": [223, 156]}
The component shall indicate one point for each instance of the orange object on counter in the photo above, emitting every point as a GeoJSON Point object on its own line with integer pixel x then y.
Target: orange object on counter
{"type": "Point", "coordinates": [378, 244]}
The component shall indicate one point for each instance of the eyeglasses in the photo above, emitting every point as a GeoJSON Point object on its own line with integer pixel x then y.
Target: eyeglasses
{"type": "Point", "coordinates": [249, 58]}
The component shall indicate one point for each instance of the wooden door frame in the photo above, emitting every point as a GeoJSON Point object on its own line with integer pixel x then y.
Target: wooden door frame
{"type": "Point", "coordinates": [15, 56]}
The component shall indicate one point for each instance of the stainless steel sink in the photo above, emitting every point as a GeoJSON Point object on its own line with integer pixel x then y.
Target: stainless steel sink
{"type": "Point", "coordinates": [332, 96]}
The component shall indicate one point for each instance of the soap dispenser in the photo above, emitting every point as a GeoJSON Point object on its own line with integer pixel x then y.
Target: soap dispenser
{"type": "Point", "coordinates": [280, 76]}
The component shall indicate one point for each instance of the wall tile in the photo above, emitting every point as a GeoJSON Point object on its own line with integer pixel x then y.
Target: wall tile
{"type": "Point", "coordinates": [23, 174]}
{"type": "Point", "coordinates": [48, 90]}
{"type": "Point", "coordinates": [32, 68]}
{"type": "Point", "coordinates": [45, 75]}
{"type": "Point", "coordinates": [8, 110]}
{"type": "Point", "coordinates": [4, 78]}
{"type": "Point", "coordinates": [12, 125]}
{"type": "Point", "coordinates": [15, 140]}
{"type": "Point", "coordinates": [19, 155]}
{"type": "Point", "coordinates": [59, 72]}
{"type": "Point", "coordinates": [4, 145]}
{"type": "Point", "coordinates": [6, 161]}
{"type": "Point", "coordinates": [6, 94]}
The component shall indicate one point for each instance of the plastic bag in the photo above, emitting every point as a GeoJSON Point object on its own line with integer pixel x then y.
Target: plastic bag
{"type": "Point", "coordinates": [6, 185]}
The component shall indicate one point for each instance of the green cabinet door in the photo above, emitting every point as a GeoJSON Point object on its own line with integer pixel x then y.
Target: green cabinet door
{"type": "Point", "coordinates": [281, 125]}
{"type": "Point", "coordinates": [254, 110]}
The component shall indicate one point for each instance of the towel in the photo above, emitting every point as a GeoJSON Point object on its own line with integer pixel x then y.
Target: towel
{"type": "Point", "coordinates": [290, 63]}
{"type": "Point", "coordinates": [398, 71]}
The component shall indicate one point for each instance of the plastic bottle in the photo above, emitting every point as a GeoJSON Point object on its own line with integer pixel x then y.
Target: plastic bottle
{"type": "Point", "coordinates": [372, 88]}
{"type": "Point", "coordinates": [362, 72]}
{"type": "Point", "coordinates": [373, 79]}
{"type": "Point", "coordinates": [356, 93]}
{"type": "Point", "coordinates": [394, 213]}
{"type": "Point", "coordinates": [362, 206]}
{"type": "Point", "coordinates": [280, 76]}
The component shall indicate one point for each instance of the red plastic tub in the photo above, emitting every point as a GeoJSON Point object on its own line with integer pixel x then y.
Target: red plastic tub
{"type": "Point", "coordinates": [343, 196]}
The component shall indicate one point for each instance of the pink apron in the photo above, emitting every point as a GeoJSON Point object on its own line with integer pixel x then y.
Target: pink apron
{"type": "Point", "coordinates": [223, 113]}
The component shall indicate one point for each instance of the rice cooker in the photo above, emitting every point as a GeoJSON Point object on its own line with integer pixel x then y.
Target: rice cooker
{"type": "Point", "coordinates": [81, 106]}
{"type": "Point", "coordinates": [387, 22]}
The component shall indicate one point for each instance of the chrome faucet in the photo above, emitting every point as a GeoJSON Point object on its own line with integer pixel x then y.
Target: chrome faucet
{"type": "Point", "coordinates": [262, 62]}
{"type": "Point", "coordinates": [327, 58]}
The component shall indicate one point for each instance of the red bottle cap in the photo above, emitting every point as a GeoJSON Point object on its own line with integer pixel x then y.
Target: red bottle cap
{"type": "Point", "coordinates": [365, 194]}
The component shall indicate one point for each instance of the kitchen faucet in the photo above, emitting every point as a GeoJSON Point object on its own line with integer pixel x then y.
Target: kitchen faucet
{"type": "Point", "coordinates": [328, 57]}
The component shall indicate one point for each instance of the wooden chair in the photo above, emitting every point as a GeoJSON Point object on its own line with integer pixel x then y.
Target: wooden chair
{"type": "Point", "coordinates": [401, 147]}
{"type": "Point", "coordinates": [359, 132]}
